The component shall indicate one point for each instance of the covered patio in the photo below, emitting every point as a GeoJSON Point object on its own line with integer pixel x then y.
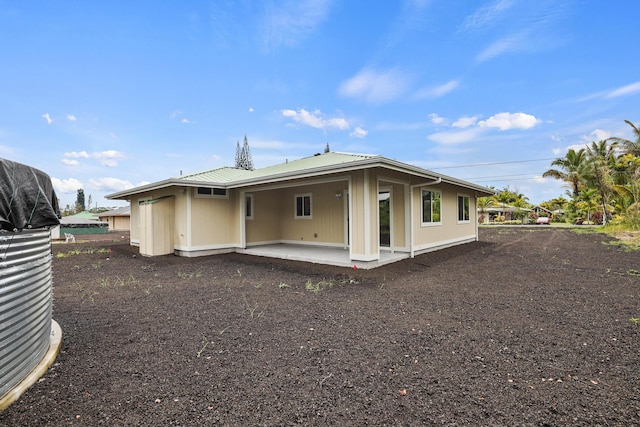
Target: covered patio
{"type": "Point", "coordinates": [321, 255]}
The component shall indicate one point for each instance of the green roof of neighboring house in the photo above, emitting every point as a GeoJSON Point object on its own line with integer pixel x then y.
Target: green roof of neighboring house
{"type": "Point", "coordinates": [317, 165]}
{"type": "Point", "coordinates": [84, 215]}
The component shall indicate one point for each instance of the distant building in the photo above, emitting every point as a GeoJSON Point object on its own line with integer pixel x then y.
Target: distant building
{"type": "Point", "coordinates": [118, 219]}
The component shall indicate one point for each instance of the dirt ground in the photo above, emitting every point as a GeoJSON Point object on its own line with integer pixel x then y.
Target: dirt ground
{"type": "Point", "coordinates": [527, 327]}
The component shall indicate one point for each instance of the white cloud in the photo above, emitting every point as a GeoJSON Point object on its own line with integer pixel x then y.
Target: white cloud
{"type": "Point", "coordinates": [108, 158]}
{"type": "Point", "coordinates": [109, 184]}
{"type": "Point", "coordinates": [375, 87]}
{"type": "Point", "coordinates": [70, 162]}
{"type": "Point", "coordinates": [598, 135]}
{"type": "Point", "coordinates": [358, 132]}
{"type": "Point", "coordinates": [474, 128]}
{"type": "Point", "coordinates": [186, 121]}
{"type": "Point", "coordinates": [506, 121]}
{"type": "Point", "coordinates": [251, 109]}
{"type": "Point", "coordinates": [77, 154]}
{"type": "Point", "coordinates": [438, 91]}
{"type": "Point", "coordinates": [71, 117]}
{"type": "Point", "coordinates": [66, 186]}
{"type": "Point", "coordinates": [436, 119]}
{"type": "Point", "coordinates": [465, 122]}
{"type": "Point", "coordinates": [455, 137]}
{"type": "Point", "coordinates": [48, 118]}
{"type": "Point", "coordinates": [556, 151]}
{"type": "Point", "coordinates": [292, 21]}
{"type": "Point", "coordinates": [315, 119]}
{"type": "Point", "coordinates": [624, 90]}
{"type": "Point", "coordinates": [575, 147]}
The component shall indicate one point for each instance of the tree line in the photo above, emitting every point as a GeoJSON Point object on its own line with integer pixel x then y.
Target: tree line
{"type": "Point", "coordinates": [603, 181]}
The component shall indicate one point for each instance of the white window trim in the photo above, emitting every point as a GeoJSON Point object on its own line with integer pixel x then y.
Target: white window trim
{"type": "Point", "coordinates": [432, 223]}
{"type": "Point", "coordinates": [295, 206]}
{"type": "Point", "coordinates": [210, 196]}
{"type": "Point", "coordinates": [250, 198]}
{"type": "Point", "coordinates": [464, 221]}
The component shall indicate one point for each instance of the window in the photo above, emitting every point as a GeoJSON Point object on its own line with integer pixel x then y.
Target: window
{"type": "Point", "coordinates": [303, 206]}
{"type": "Point", "coordinates": [248, 209]}
{"type": "Point", "coordinates": [431, 207]}
{"type": "Point", "coordinates": [211, 192]}
{"type": "Point", "coordinates": [463, 208]}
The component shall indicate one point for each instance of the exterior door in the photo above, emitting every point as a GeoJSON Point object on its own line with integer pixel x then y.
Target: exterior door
{"type": "Point", "coordinates": [384, 205]}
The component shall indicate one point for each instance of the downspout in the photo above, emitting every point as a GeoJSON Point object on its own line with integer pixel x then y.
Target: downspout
{"type": "Point", "coordinates": [411, 187]}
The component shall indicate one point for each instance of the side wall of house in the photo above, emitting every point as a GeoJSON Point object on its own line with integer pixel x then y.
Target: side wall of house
{"type": "Point", "coordinates": [120, 223]}
{"type": "Point", "coordinates": [215, 222]}
{"type": "Point", "coordinates": [449, 231]}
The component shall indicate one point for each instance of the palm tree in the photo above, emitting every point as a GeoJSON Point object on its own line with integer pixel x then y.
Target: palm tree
{"type": "Point", "coordinates": [570, 169]}
{"type": "Point", "coordinates": [588, 200]}
{"type": "Point", "coordinates": [601, 160]}
{"type": "Point", "coordinates": [628, 146]}
{"type": "Point", "coordinates": [629, 191]}
{"type": "Point", "coordinates": [483, 203]}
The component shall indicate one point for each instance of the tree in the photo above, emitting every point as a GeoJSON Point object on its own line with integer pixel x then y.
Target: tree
{"type": "Point", "coordinates": [89, 201]}
{"type": "Point", "coordinates": [599, 171]}
{"type": "Point", "coordinates": [570, 169]}
{"type": "Point", "coordinates": [80, 207]}
{"type": "Point", "coordinates": [327, 149]}
{"type": "Point", "coordinates": [483, 203]}
{"type": "Point", "coordinates": [630, 191]}
{"type": "Point", "coordinates": [587, 201]}
{"type": "Point", "coordinates": [628, 146]}
{"type": "Point", "coordinates": [243, 156]}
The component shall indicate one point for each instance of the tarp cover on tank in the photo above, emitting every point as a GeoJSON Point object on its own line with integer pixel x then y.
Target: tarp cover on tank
{"type": "Point", "coordinates": [27, 198]}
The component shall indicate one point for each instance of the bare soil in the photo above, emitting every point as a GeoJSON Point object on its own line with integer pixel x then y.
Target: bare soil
{"type": "Point", "coordinates": [527, 327]}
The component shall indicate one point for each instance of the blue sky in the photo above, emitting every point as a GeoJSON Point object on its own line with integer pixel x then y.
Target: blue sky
{"type": "Point", "coordinates": [108, 95]}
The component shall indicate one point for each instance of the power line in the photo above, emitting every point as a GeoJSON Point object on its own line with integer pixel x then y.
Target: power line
{"type": "Point", "coordinates": [497, 176]}
{"type": "Point", "coordinates": [494, 163]}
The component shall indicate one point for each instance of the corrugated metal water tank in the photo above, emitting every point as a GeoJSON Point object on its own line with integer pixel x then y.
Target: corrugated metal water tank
{"type": "Point", "coordinates": [25, 303]}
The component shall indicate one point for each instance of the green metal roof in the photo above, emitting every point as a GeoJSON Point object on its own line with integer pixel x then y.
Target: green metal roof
{"type": "Point", "coordinates": [228, 175]}
{"type": "Point", "coordinates": [317, 165]}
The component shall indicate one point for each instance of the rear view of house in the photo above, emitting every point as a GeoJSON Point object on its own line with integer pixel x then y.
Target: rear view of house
{"type": "Point", "coordinates": [368, 209]}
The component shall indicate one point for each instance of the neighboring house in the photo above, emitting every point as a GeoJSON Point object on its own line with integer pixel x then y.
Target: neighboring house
{"type": "Point", "coordinates": [82, 223]}
{"type": "Point", "coordinates": [365, 206]}
{"type": "Point", "coordinates": [118, 219]}
{"type": "Point", "coordinates": [502, 211]}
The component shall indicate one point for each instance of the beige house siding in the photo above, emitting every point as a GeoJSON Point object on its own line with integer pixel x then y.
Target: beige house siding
{"type": "Point", "coordinates": [267, 212]}
{"type": "Point", "coordinates": [157, 226]}
{"type": "Point", "coordinates": [181, 228]}
{"type": "Point", "coordinates": [357, 215]}
{"type": "Point", "coordinates": [214, 222]}
{"type": "Point", "coordinates": [450, 231]}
